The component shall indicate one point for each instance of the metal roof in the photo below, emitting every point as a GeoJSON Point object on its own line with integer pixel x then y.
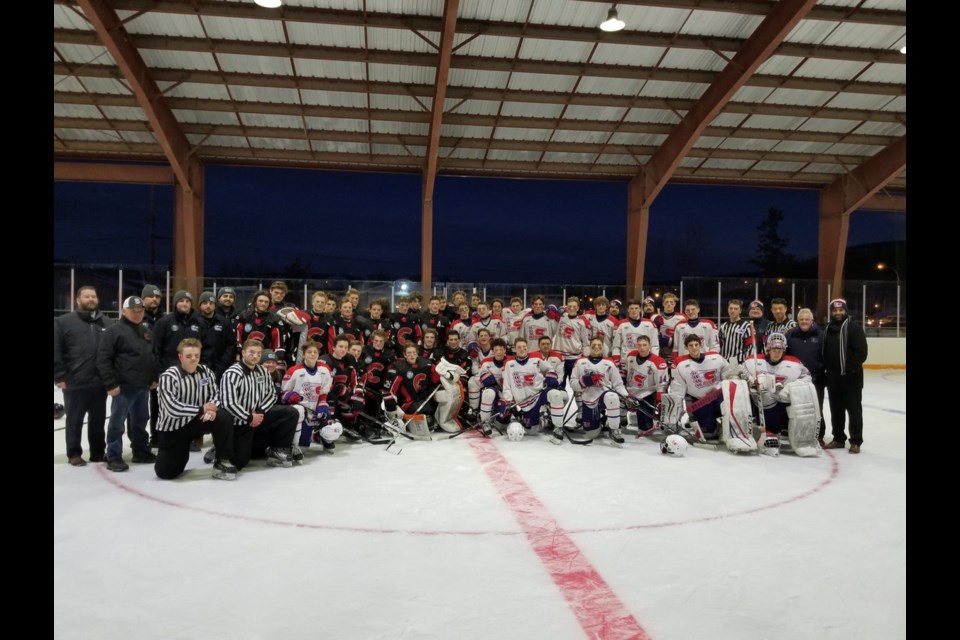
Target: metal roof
{"type": "Point", "coordinates": [535, 89]}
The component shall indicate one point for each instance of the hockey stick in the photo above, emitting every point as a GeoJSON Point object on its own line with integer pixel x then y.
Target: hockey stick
{"type": "Point", "coordinates": [756, 385]}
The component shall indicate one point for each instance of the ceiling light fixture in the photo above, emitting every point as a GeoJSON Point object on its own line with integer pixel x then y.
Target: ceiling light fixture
{"type": "Point", "coordinates": [269, 4]}
{"type": "Point", "coordinates": [613, 21]}
{"type": "Point", "coordinates": [903, 49]}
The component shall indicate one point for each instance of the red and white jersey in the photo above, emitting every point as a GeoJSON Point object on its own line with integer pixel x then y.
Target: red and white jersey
{"type": "Point", "coordinates": [590, 393]}
{"type": "Point", "coordinates": [463, 328]}
{"type": "Point", "coordinates": [313, 386]}
{"type": "Point", "coordinates": [523, 380]}
{"type": "Point", "coordinates": [533, 328]}
{"type": "Point", "coordinates": [625, 338]}
{"type": "Point", "coordinates": [706, 329]}
{"type": "Point", "coordinates": [667, 326]}
{"type": "Point", "coordinates": [573, 336]}
{"type": "Point", "coordinates": [697, 379]}
{"type": "Point", "coordinates": [788, 370]}
{"type": "Point", "coordinates": [603, 327]}
{"type": "Point", "coordinates": [492, 367]}
{"type": "Point", "coordinates": [512, 322]}
{"type": "Point", "coordinates": [493, 323]}
{"type": "Point", "coordinates": [645, 376]}
{"type": "Point", "coordinates": [555, 360]}
{"type": "Point", "coordinates": [477, 359]}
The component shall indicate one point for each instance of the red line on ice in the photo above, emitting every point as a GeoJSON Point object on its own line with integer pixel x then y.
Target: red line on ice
{"type": "Point", "coordinates": [599, 611]}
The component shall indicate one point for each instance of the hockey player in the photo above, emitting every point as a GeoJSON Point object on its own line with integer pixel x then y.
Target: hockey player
{"type": "Point", "coordinates": [771, 380]}
{"type": "Point", "coordinates": [666, 323]}
{"type": "Point", "coordinates": [697, 376]}
{"type": "Point", "coordinates": [629, 331]}
{"type": "Point", "coordinates": [374, 361]}
{"type": "Point", "coordinates": [573, 336]}
{"type": "Point", "coordinates": [305, 386]}
{"type": "Point", "coordinates": [598, 383]}
{"type": "Point", "coordinates": [603, 324]}
{"type": "Point", "coordinates": [430, 349]}
{"type": "Point", "coordinates": [734, 334]}
{"type": "Point", "coordinates": [344, 399]}
{"type": "Point", "coordinates": [461, 324]}
{"type": "Point", "coordinates": [259, 323]}
{"type": "Point", "coordinates": [531, 382]}
{"type": "Point", "coordinates": [405, 327]}
{"type": "Point", "coordinates": [344, 324]}
{"type": "Point", "coordinates": [536, 324]}
{"type": "Point", "coordinates": [646, 379]}
{"type": "Point", "coordinates": [410, 382]}
{"type": "Point", "coordinates": [375, 320]}
{"type": "Point", "coordinates": [489, 381]}
{"type": "Point", "coordinates": [649, 311]}
{"type": "Point", "coordinates": [486, 320]}
{"type": "Point", "coordinates": [616, 309]}
{"type": "Point", "coordinates": [318, 325]}
{"type": "Point", "coordinates": [512, 317]}
{"type": "Point", "coordinates": [434, 319]}
{"type": "Point", "coordinates": [453, 353]}
{"type": "Point", "coordinates": [554, 358]}
{"type": "Point", "coordinates": [480, 351]}
{"type": "Point", "coordinates": [453, 309]}
{"type": "Point", "coordinates": [693, 323]}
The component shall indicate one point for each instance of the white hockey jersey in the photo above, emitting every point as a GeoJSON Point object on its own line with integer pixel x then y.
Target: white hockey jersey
{"type": "Point", "coordinates": [590, 393]}
{"type": "Point", "coordinates": [788, 370]}
{"type": "Point", "coordinates": [604, 327]}
{"type": "Point", "coordinates": [313, 386]}
{"type": "Point", "coordinates": [573, 336]}
{"type": "Point", "coordinates": [533, 328]}
{"type": "Point", "coordinates": [512, 322]}
{"type": "Point", "coordinates": [492, 323]}
{"type": "Point", "coordinates": [523, 380]}
{"type": "Point", "coordinates": [463, 328]}
{"type": "Point", "coordinates": [625, 338]}
{"type": "Point", "coordinates": [706, 329]}
{"type": "Point", "coordinates": [645, 376]}
{"type": "Point", "coordinates": [555, 360]}
{"type": "Point", "coordinates": [491, 367]}
{"type": "Point", "coordinates": [698, 378]}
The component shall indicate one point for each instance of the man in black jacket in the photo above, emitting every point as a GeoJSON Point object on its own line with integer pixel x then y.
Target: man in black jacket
{"type": "Point", "coordinates": [128, 369]}
{"type": "Point", "coordinates": [804, 342]}
{"type": "Point", "coordinates": [844, 352]}
{"type": "Point", "coordinates": [76, 337]}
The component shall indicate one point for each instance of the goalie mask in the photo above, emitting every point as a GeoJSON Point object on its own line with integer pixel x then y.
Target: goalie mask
{"type": "Point", "coordinates": [673, 445]}
{"type": "Point", "coordinates": [776, 340]}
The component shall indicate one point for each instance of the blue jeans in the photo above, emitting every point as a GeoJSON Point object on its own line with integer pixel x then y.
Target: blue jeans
{"type": "Point", "coordinates": [132, 404]}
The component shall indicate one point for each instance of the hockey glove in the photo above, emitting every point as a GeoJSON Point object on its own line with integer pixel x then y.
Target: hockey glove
{"type": "Point", "coordinates": [291, 397]}
{"type": "Point", "coordinates": [591, 379]}
{"type": "Point", "coordinates": [552, 383]}
{"type": "Point", "coordinates": [323, 409]}
{"type": "Point", "coordinates": [489, 382]}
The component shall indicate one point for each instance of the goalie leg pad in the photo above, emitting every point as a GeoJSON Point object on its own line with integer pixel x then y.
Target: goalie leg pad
{"type": "Point", "coordinates": [670, 411]}
{"type": "Point", "coordinates": [803, 413]}
{"type": "Point", "coordinates": [737, 421]}
{"type": "Point", "coordinates": [449, 402]}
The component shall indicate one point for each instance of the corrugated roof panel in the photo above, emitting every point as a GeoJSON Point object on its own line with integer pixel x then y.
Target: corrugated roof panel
{"type": "Point", "coordinates": [773, 165]}
{"type": "Point", "coordinates": [84, 54]}
{"type": "Point", "coordinates": [881, 129]}
{"type": "Point", "coordinates": [620, 159]}
{"type": "Point", "coordinates": [485, 46]}
{"type": "Point", "coordinates": [106, 85]}
{"type": "Point", "coordinates": [198, 90]}
{"type": "Point", "coordinates": [858, 101]}
{"type": "Point", "coordinates": [337, 146]}
{"type": "Point", "coordinates": [400, 128]}
{"type": "Point", "coordinates": [811, 31]}
{"type": "Point", "coordinates": [398, 40]}
{"type": "Point", "coordinates": [165, 24]}
{"type": "Point", "coordinates": [707, 142]}
{"type": "Point", "coordinates": [397, 150]}
{"type": "Point", "coordinates": [75, 110]}
{"type": "Point", "coordinates": [847, 149]}
{"type": "Point", "coordinates": [872, 36]}
{"type": "Point", "coordinates": [609, 86]}
{"type": "Point", "coordinates": [627, 54]}
{"type": "Point", "coordinates": [243, 29]}
{"type": "Point", "coordinates": [481, 79]}
{"type": "Point", "coordinates": [67, 18]}
{"type": "Point", "coordinates": [724, 24]}
{"type": "Point", "coordinates": [532, 110]}
{"type": "Point", "coordinates": [728, 119]}
{"type": "Point", "coordinates": [751, 94]}
{"type": "Point", "coordinates": [555, 50]}
{"type": "Point", "coordinates": [279, 144]}
{"type": "Point", "coordinates": [271, 120]}
{"type": "Point", "coordinates": [822, 167]}
{"type": "Point", "coordinates": [479, 108]}
{"type": "Point", "coordinates": [463, 131]}
{"type": "Point", "coordinates": [747, 144]}
{"type": "Point", "coordinates": [169, 59]}
{"type": "Point", "coordinates": [777, 65]}
{"type": "Point", "coordinates": [264, 94]}
{"type": "Point", "coordinates": [667, 89]}
{"type": "Point", "coordinates": [897, 105]}
{"type": "Point", "coordinates": [800, 146]}
{"type": "Point", "coordinates": [336, 124]}
{"type": "Point", "coordinates": [569, 158]}
{"type": "Point", "coordinates": [335, 70]}
{"type": "Point", "coordinates": [87, 135]}
{"type": "Point", "coordinates": [415, 7]}
{"type": "Point", "coordinates": [693, 59]}
{"type": "Point", "coordinates": [205, 117]}
{"type": "Point", "coordinates": [588, 112]}
{"type": "Point", "coordinates": [587, 137]}
{"type": "Point", "coordinates": [504, 154]}
{"type": "Point", "coordinates": [140, 137]}
{"type": "Point", "coordinates": [334, 98]}
{"type": "Point", "coordinates": [726, 163]}
{"type": "Point", "coordinates": [328, 35]}
{"type": "Point", "coordinates": [402, 73]}
{"type": "Point", "coordinates": [67, 83]}
{"type": "Point", "coordinates": [885, 72]}
{"type": "Point", "coordinates": [893, 5]}
{"type": "Point", "coordinates": [691, 163]}
{"type": "Point", "coordinates": [506, 10]}
{"type": "Point", "coordinates": [472, 154]}
{"type": "Point", "coordinates": [638, 139]}
{"type": "Point", "coordinates": [833, 69]}
{"type": "Point", "coordinates": [397, 103]}
{"type": "Point", "coordinates": [542, 82]}
{"type": "Point", "coordinates": [527, 134]}
{"type": "Point", "coordinates": [654, 116]}
{"type": "Point", "coordinates": [828, 124]}
{"type": "Point", "coordinates": [803, 97]}
{"type": "Point", "coordinates": [788, 123]}
{"type": "Point", "coordinates": [233, 63]}
{"type": "Point", "coordinates": [125, 113]}
{"type": "Point", "coordinates": [222, 141]}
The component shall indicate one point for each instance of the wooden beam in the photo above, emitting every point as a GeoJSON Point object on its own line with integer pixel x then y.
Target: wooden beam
{"type": "Point", "coordinates": [188, 222]}
{"type": "Point", "coordinates": [885, 202]}
{"type": "Point", "coordinates": [111, 172]}
{"type": "Point", "coordinates": [638, 222]}
{"type": "Point", "coordinates": [447, 34]}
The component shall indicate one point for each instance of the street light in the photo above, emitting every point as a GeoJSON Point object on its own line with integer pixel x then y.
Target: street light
{"type": "Point", "coordinates": [882, 266]}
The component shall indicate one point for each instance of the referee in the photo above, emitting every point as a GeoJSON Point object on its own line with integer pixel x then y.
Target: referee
{"type": "Point", "coordinates": [189, 407]}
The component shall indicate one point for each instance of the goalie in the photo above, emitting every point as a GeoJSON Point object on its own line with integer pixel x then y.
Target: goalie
{"type": "Point", "coordinates": [784, 389]}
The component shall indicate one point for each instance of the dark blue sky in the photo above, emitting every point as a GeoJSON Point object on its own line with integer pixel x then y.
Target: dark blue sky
{"type": "Point", "coordinates": [364, 225]}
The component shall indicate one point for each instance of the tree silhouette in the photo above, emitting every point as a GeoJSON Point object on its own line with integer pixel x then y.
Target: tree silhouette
{"type": "Point", "coordinates": [771, 246]}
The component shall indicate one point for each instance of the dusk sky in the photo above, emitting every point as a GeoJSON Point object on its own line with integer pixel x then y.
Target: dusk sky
{"type": "Point", "coordinates": [364, 225]}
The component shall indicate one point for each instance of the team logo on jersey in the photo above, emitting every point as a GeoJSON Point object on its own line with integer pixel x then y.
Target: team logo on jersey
{"type": "Point", "coordinates": [204, 381]}
{"type": "Point", "coordinates": [539, 332]}
{"type": "Point", "coordinates": [638, 379]}
{"type": "Point", "coordinates": [256, 335]}
{"type": "Point", "coordinates": [704, 378]}
{"type": "Point", "coordinates": [568, 332]}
